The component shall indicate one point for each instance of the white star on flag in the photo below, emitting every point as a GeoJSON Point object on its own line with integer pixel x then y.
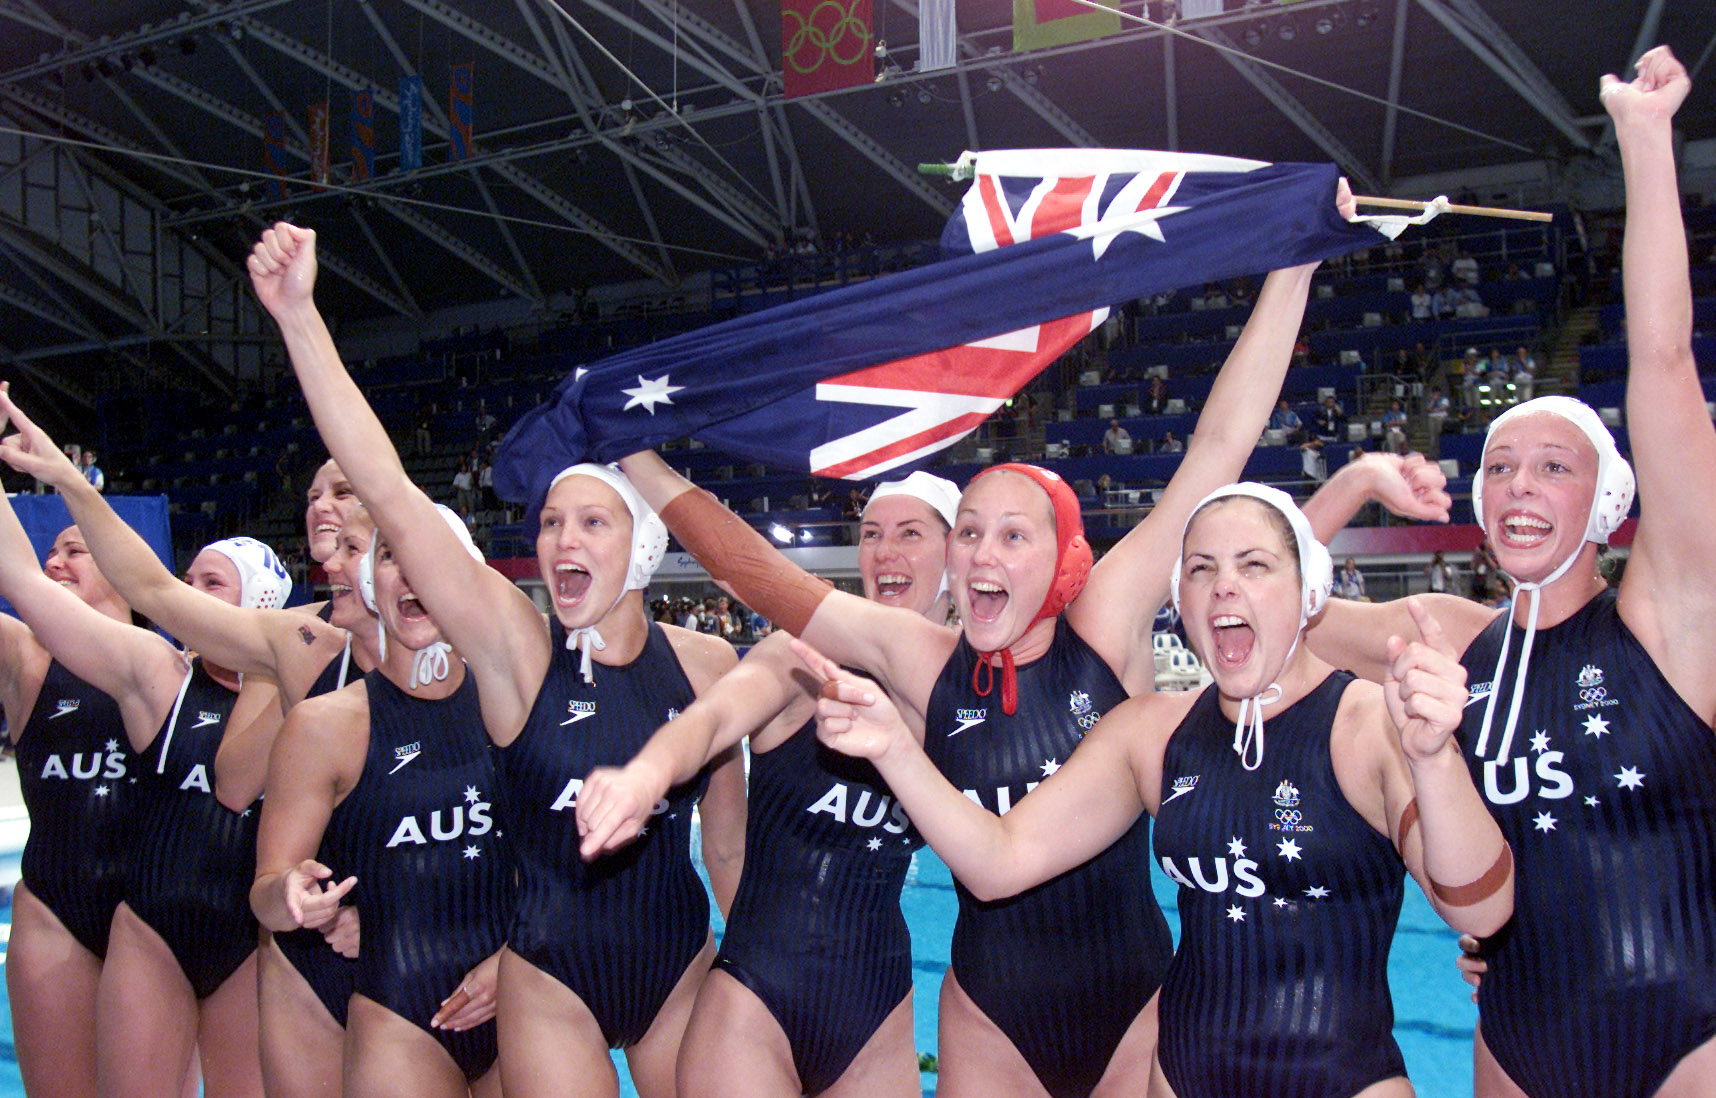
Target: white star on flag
{"type": "Point", "coordinates": [1540, 742]}
{"type": "Point", "coordinates": [1236, 914]}
{"type": "Point", "coordinates": [1317, 893]}
{"type": "Point", "coordinates": [473, 852]}
{"type": "Point", "coordinates": [1630, 778]}
{"type": "Point", "coordinates": [471, 795]}
{"type": "Point", "coordinates": [1289, 849]}
{"type": "Point", "coordinates": [650, 393]}
{"type": "Point", "coordinates": [1544, 822]}
{"type": "Point", "coordinates": [1236, 847]}
{"type": "Point", "coordinates": [1596, 726]}
{"type": "Point", "coordinates": [1050, 766]}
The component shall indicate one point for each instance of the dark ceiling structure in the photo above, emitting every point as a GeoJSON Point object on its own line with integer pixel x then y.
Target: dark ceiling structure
{"type": "Point", "coordinates": [622, 140]}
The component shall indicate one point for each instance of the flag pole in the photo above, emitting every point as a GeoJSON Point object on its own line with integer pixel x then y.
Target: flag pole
{"type": "Point", "coordinates": [1480, 211]}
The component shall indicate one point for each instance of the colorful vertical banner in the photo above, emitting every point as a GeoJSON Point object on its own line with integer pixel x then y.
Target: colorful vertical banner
{"type": "Point", "coordinates": [938, 35]}
{"type": "Point", "coordinates": [363, 135]}
{"type": "Point", "coordinates": [1038, 24]}
{"type": "Point", "coordinates": [410, 123]}
{"type": "Point", "coordinates": [319, 143]}
{"type": "Point", "coordinates": [826, 45]}
{"type": "Point", "coordinates": [459, 110]}
{"type": "Point", "coordinates": [274, 155]}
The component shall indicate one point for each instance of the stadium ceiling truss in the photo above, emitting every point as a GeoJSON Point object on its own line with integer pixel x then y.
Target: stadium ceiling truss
{"type": "Point", "coordinates": [118, 230]}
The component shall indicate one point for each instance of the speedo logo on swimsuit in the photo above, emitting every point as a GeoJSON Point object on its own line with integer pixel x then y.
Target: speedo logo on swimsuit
{"type": "Point", "coordinates": [1182, 786]}
{"type": "Point", "coordinates": [205, 718]}
{"type": "Point", "coordinates": [1479, 691]}
{"type": "Point", "coordinates": [1288, 817]}
{"type": "Point", "coordinates": [578, 710]}
{"type": "Point", "coordinates": [1592, 693]}
{"type": "Point", "coordinates": [968, 718]}
{"type": "Point", "coordinates": [64, 706]}
{"type": "Point", "coordinates": [1079, 704]}
{"type": "Point", "coordinates": [405, 754]}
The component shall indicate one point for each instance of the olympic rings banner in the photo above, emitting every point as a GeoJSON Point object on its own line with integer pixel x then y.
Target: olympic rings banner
{"type": "Point", "coordinates": [826, 45]}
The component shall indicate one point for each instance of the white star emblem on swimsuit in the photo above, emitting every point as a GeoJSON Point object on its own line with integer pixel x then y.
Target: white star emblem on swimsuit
{"type": "Point", "coordinates": [1050, 766]}
{"type": "Point", "coordinates": [1289, 849]}
{"type": "Point", "coordinates": [1591, 802]}
{"type": "Point", "coordinates": [1317, 893]}
{"type": "Point", "coordinates": [1630, 778]}
{"type": "Point", "coordinates": [874, 844]}
{"type": "Point", "coordinates": [101, 791]}
{"type": "Point", "coordinates": [1236, 914]}
{"type": "Point", "coordinates": [650, 393]}
{"type": "Point", "coordinates": [1540, 742]}
{"type": "Point", "coordinates": [471, 795]}
{"type": "Point", "coordinates": [1544, 822]}
{"type": "Point", "coordinates": [113, 745]}
{"type": "Point", "coordinates": [473, 852]}
{"type": "Point", "coordinates": [1596, 726]}
{"type": "Point", "coordinates": [1236, 847]}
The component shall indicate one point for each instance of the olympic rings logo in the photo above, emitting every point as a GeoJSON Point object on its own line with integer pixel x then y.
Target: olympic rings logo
{"type": "Point", "coordinates": [845, 42]}
{"type": "Point", "coordinates": [1288, 815]}
{"type": "Point", "coordinates": [1592, 694]}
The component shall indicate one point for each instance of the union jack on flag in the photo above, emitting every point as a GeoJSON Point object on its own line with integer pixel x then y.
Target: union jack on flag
{"type": "Point", "coordinates": [878, 376]}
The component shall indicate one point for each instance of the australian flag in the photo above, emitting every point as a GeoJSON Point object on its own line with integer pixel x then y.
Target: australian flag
{"type": "Point", "coordinates": [876, 377]}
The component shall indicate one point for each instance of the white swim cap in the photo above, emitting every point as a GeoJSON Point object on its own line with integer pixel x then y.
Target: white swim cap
{"type": "Point", "coordinates": [649, 535]}
{"type": "Point", "coordinates": [262, 580]}
{"type": "Point", "coordinates": [431, 663]}
{"type": "Point", "coordinates": [941, 494]}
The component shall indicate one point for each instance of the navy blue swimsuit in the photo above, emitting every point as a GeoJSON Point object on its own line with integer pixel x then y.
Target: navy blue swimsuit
{"type": "Point", "coordinates": [419, 832]}
{"type": "Point", "coordinates": [329, 974]}
{"type": "Point", "coordinates": [194, 859]}
{"type": "Point", "coordinates": [1064, 968]}
{"type": "Point", "coordinates": [619, 931]}
{"type": "Point", "coordinates": [816, 929]}
{"type": "Point", "coordinates": [1288, 903]}
{"type": "Point", "coordinates": [1606, 976]}
{"type": "Point", "coordinates": [74, 762]}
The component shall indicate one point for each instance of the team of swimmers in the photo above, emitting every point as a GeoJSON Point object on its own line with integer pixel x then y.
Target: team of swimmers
{"type": "Point", "coordinates": [460, 828]}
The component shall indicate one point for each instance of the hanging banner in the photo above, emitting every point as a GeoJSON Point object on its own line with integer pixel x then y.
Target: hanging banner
{"type": "Point", "coordinates": [1038, 24]}
{"type": "Point", "coordinates": [826, 45]}
{"type": "Point", "coordinates": [319, 143]}
{"type": "Point", "coordinates": [274, 155]}
{"type": "Point", "coordinates": [410, 123]}
{"type": "Point", "coordinates": [363, 135]}
{"type": "Point", "coordinates": [938, 35]}
{"type": "Point", "coordinates": [459, 110]}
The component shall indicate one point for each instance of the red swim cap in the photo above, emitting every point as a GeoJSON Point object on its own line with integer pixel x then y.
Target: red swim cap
{"type": "Point", "coordinates": [1073, 560]}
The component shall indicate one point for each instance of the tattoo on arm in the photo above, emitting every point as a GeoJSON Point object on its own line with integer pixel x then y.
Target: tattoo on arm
{"type": "Point", "coordinates": [306, 636]}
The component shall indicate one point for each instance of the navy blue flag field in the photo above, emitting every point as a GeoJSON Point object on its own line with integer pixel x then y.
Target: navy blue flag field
{"type": "Point", "coordinates": [879, 376]}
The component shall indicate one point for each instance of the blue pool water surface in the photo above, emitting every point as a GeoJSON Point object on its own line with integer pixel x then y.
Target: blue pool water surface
{"type": "Point", "coordinates": [1433, 1011]}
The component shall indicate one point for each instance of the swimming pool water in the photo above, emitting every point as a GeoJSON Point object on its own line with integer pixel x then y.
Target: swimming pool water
{"type": "Point", "coordinates": [1433, 1011]}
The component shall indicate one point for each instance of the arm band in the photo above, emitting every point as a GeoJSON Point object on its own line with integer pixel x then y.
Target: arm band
{"type": "Point", "coordinates": [1408, 819]}
{"type": "Point", "coordinates": [1481, 889]}
{"type": "Point", "coordinates": [742, 560]}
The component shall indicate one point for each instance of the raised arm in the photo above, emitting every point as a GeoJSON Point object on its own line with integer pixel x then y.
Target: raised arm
{"type": "Point", "coordinates": [903, 649]}
{"type": "Point", "coordinates": [1115, 610]}
{"type": "Point", "coordinates": [233, 637]}
{"type": "Point", "coordinates": [1074, 815]}
{"type": "Point", "coordinates": [490, 621]}
{"type": "Point", "coordinates": [137, 668]}
{"type": "Point", "coordinates": [1668, 596]}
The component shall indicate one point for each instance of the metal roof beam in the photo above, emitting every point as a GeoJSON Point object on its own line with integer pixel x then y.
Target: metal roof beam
{"type": "Point", "coordinates": [1396, 69]}
{"type": "Point", "coordinates": [1295, 111]}
{"type": "Point", "coordinates": [871, 149]}
{"type": "Point", "coordinates": [471, 257]}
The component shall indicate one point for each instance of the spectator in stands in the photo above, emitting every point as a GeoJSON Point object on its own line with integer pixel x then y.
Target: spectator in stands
{"type": "Point", "coordinates": [485, 419]}
{"type": "Point", "coordinates": [1331, 421]}
{"type": "Point", "coordinates": [464, 491]}
{"type": "Point", "coordinates": [1465, 269]}
{"type": "Point", "coordinates": [1311, 460]}
{"type": "Point", "coordinates": [1483, 567]}
{"type": "Point", "coordinates": [1350, 583]}
{"type": "Point", "coordinates": [1170, 444]}
{"type": "Point", "coordinates": [1301, 351]}
{"type": "Point", "coordinates": [1467, 303]}
{"type": "Point", "coordinates": [1394, 428]}
{"type": "Point", "coordinates": [1116, 440]}
{"type": "Point", "coordinates": [1443, 303]}
{"type": "Point", "coordinates": [92, 472]}
{"type": "Point", "coordinates": [1287, 421]}
{"type": "Point", "coordinates": [1436, 408]}
{"type": "Point", "coordinates": [424, 419]}
{"type": "Point", "coordinates": [1155, 397]}
{"type": "Point", "coordinates": [1423, 304]}
{"type": "Point", "coordinates": [1514, 273]}
{"type": "Point", "coordinates": [486, 487]}
{"type": "Point", "coordinates": [1439, 573]}
{"type": "Point", "coordinates": [1431, 270]}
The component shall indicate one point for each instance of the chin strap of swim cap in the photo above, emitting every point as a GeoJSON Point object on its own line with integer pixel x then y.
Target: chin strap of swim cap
{"type": "Point", "coordinates": [1609, 506]}
{"type": "Point", "coordinates": [649, 548]}
{"type": "Point", "coordinates": [1073, 560]}
{"type": "Point", "coordinates": [1316, 581]}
